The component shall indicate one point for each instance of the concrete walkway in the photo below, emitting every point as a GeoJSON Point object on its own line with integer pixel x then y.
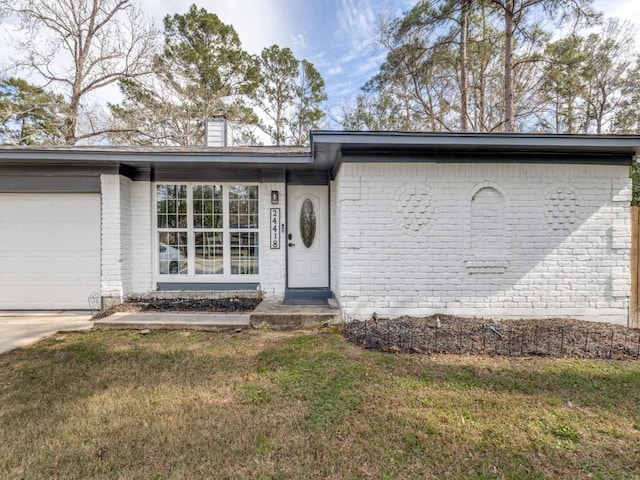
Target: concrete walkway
{"type": "Point", "coordinates": [271, 315]}
{"type": "Point", "coordinates": [212, 322]}
{"type": "Point", "coordinates": [19, 329]}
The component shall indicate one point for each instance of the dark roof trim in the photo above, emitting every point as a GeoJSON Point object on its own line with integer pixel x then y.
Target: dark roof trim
{"type": "Point", "coordinates": [42, 184]}
{"type": "Point", "coordinates": [331, 149]}
{"type": "Point", "coordinates": [495, 141]}
{"type": "Point", "coordinates": [356, 156]}
{"type": "Point", "coordinates": [70, 155]}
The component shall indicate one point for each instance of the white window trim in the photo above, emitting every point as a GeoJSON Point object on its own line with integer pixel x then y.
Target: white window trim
{"type": "Point", "coordinates": [191, 276]}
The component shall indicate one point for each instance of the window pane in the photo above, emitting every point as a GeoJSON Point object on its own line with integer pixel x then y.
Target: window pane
{"type": "Point", "coordinates": [244, 253]}
{"type": "Point", "coordinates": [172, 206]}
{"type": "Point", "coordinates": [207, 206]}
{"type": "Point", "coordinates": [209, 253]}
{"type": "Point", "coordinates": [243, 206]}
{"type": "Point", "coordinates": [172, 253]}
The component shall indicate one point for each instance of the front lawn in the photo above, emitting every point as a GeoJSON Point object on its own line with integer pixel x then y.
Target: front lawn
{"type": "Point", "coordinates": [267, 405]}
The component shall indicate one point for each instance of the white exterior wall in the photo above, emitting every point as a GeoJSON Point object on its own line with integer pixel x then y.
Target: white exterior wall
{"type": "Point", "coordinates": [141, 209]}
{"type": "Point", "coordinates": [126, 238]}
{"type": "Point", "coordinates": [272, 261]}
{"type": "Point", "coordinates": [114, 249]}
{"type": "Point", "coordinates": [500, 240]}
{"type": "Point", "coordinates": [335, 237]}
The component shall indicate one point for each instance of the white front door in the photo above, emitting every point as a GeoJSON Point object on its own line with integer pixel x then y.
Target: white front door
{"type": "Point", "coordinates": [308, 236]}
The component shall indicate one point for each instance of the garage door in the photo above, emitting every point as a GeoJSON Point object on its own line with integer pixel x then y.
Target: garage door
{"type": "Point", "coordinates": [49, 250]}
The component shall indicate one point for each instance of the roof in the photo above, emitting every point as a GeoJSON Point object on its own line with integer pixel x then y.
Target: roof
{"type": "Point", "coordinates": [331, 148]}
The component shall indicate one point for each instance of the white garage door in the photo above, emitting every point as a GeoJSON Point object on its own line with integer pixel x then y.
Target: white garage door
{"type": "Point", "coordinates": [49, 250]}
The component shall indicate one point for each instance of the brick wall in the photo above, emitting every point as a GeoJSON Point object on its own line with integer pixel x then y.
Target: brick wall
{"type": "Point", "coordinates": [141, 237]}
{"type": "Point", "coordinates": [272, 261]}
{"type": "Point", "coordinates": [113, 232]}
{"type": "Point", "coordinates": [498, 240]}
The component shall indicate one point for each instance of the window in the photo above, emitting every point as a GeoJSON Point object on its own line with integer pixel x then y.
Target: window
{"type": "Point", "coordinates": [207, 230]}
{"type": "Point", "coordinates": [243, 225]}
{"type": "Point", "coordinates": [172, 225]}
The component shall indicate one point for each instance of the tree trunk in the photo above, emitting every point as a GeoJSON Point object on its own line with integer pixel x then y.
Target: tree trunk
{"type": "Point", "coordinates": [508, 66]}
{"type": "Point", "coordinates": [71, 121]}
{"type": "Point", "coordinates": [464, 25]}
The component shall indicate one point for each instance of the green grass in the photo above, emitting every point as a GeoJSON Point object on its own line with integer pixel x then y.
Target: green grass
{"type": "Point", "coordinates": [267, 405]}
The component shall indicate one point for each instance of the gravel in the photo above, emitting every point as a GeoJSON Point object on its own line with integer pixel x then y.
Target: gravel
{"type": "Point", "coordinates": [218, 305]}
{"type": "Point", "coordinates": [552, 337]}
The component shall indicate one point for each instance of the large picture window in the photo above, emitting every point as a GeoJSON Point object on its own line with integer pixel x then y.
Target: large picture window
{"type": "Point", "coordinates": [207, 230]}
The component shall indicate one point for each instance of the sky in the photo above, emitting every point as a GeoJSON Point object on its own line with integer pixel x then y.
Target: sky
{"type": "Point", "coordinates": [337, 36]}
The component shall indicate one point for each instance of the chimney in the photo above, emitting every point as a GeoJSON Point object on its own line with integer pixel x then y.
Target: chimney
{"type": "Point", "coordinates": [218, 132]}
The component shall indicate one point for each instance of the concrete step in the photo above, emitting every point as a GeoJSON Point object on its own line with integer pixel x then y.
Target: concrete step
{"type": "Point", "coordinates": [275, 316]}
{"type": "Point", "coordinates": [210, 322]}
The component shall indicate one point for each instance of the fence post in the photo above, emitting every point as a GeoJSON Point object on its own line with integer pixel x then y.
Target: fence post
{"type": "Point", "coordinates": [634, 307]}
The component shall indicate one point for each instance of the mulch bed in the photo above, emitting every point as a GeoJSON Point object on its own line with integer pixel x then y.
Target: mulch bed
{"type": "Point", "coordinates": [218, 305]}
{"type": "Point", "coordinates": [551, 337]}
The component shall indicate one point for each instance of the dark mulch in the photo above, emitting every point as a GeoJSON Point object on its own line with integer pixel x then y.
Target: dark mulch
{"type": "Point", "coordinates": [551, 337]}
{"type": "Point", "coordinates": [219, 305]}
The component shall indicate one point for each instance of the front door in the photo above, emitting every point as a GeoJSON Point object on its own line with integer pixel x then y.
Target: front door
{"type": "Point", "coordinates": [308, 236]}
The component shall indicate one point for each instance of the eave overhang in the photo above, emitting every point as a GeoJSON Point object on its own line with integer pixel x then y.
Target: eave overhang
{"type": "Point", "coordinates": [330, 149]}
{"type": "Point", "coordinates": [143, 163]}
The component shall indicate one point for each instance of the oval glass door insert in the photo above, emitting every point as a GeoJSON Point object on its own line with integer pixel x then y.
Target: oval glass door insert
{"type": "Point", "coordinates": [307, 222]}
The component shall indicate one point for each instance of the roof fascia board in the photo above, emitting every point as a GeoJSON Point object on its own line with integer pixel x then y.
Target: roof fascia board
{"type": "Point", "coordinates": [596, 158]}
{"type": "Point", "coordinates": [83, 156]}
{"type": "Point", "coordinates": [495, 141]}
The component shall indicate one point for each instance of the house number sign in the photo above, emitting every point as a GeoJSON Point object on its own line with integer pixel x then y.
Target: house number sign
{"type": "Point", "coordinates": [275, 228]}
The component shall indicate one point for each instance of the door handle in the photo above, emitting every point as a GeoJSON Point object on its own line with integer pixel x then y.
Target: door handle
{"type": "Point", "coordinates": [292, 244]}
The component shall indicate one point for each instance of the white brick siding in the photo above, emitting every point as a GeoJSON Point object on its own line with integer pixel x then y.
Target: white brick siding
{"type": "Point", "coordinates": [272, 261]}
{"type": "Point", "coordinates": [334, 239]}
{"type": "Point", "coordinates": [408, 239]}
{"type": "Point", "coordinates": [126, 237]}
{"type": "Point", "coordinates": [141, 237]}
{"type": "Point", "coordinates": [114, 237]}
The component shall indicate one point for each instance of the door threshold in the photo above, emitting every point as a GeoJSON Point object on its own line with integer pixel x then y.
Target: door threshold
{"type": "Point", "coordinates": [305, 301]}
{"type": "Point", "coordinates": [308, 293]}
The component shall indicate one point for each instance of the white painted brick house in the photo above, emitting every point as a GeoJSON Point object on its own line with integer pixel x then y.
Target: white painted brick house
{"type": "Point", "coordinates": [393, 223]}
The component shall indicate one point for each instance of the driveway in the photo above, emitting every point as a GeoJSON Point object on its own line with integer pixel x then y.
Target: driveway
{"type": "Point", "coordinates": [18, 329]}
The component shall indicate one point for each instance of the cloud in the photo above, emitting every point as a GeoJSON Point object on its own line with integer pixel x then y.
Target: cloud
{"type": "Point", "coordinates": [356, 20]}
{"type": "Point", "coordinates": [298, 41]}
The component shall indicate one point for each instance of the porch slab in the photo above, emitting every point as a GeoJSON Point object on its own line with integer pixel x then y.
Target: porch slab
{"type": "Point", "coordinates": [210, 322]}
{"type": "Point", "coordinates": [276, 316]}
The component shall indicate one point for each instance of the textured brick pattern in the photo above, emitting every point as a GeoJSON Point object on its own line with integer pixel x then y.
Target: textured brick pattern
{"type": "Point", "coordinates": [114, 229]}
{"type": "Point", "coordinates": [497, 240]}
{"type": "Point", "coordinates": [272, 261]}
{"type": "Point", "coordinates": [141, 237]}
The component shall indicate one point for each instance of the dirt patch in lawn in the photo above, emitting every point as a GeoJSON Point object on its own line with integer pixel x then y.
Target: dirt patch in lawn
{"type": "Point", "coordinates": [553, 337]}
{"type": "Point", "coordinates": [218, 305]}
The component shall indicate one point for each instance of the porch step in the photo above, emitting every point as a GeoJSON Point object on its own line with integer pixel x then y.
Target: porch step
{"type": "Point", "coordinates": [277, 316]}
{"type": "Point", "coordinates": [296, 296]}
{"type": "Point", "coordinates": [211, 322]}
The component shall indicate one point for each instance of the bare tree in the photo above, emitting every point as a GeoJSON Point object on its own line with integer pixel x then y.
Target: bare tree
{"type": "Point", "coordinates": [515, 14]}
{"type": "Point", "coordinates": [81, 46]}
{"type": "Point", "coordinates": [610, 56]}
